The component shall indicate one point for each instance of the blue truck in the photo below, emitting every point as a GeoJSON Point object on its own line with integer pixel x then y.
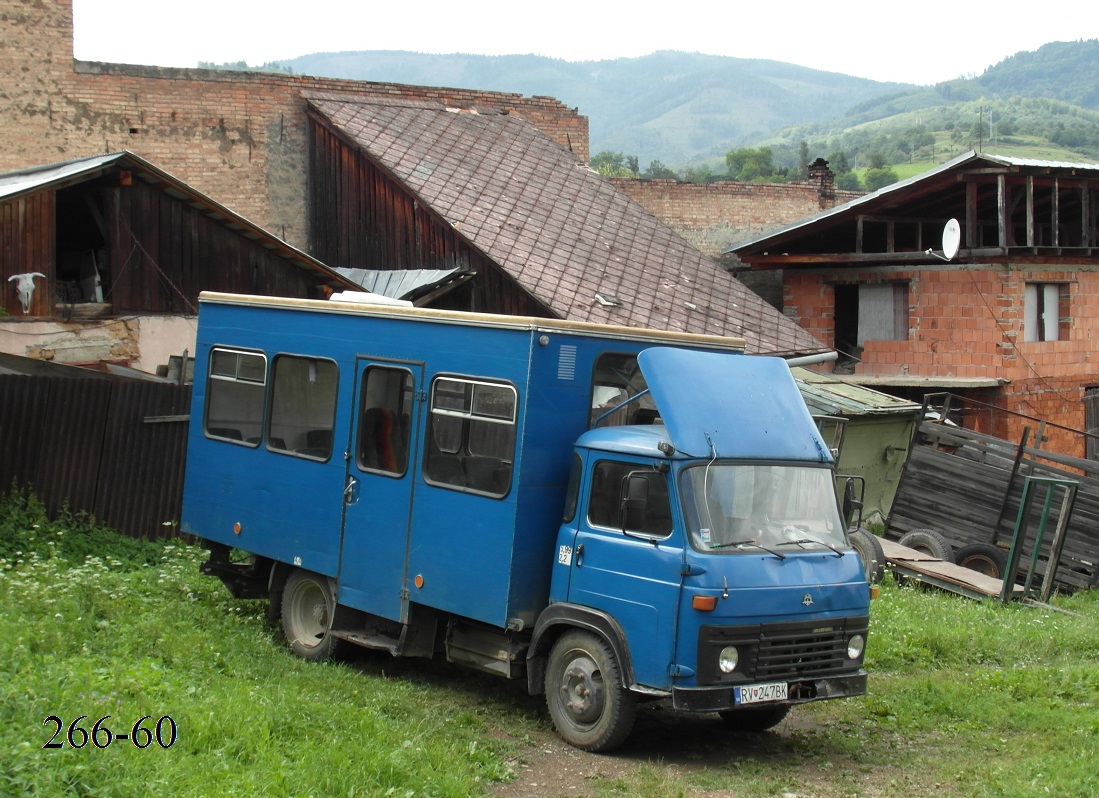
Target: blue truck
{"type": "Point", "coordinates": [615, 515]}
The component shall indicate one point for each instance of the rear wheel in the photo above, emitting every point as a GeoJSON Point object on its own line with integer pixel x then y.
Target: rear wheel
{"type": "Point", "coordinates": [984, 558]}
{"type": "Point", "coordinates": [870, 551]}
{"type": "Point", "coordinates": [929, 542]}
{"type": "Point", "coordinates": [590, 707]}
{"type": "Point", "coordinates": [754, 720]}
{"type": "Point", "coordinates": [307, 608]}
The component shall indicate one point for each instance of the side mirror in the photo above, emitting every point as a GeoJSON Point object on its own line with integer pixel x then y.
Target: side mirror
{"type": "Point", "coordinates": [635, 502]}
{"type": "Point", "coordinates": [852, 502]}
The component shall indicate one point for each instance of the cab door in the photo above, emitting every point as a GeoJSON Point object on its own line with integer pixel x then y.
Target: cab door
{"type": "Point", "coordinates": [378, 491]}
{"type": "Point", "coordinates": [627, 559]}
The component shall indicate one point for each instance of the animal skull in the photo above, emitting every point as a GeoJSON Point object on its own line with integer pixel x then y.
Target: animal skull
{"type": "Point", "coordinates": [24, 287]}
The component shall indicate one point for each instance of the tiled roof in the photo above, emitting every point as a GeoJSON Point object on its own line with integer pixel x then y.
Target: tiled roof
{"type": "Point", "coordinates": [561, 230]}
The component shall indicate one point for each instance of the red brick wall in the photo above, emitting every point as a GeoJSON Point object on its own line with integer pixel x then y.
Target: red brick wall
{"type": "Point", "coordinates": [970, 324]}
{"type": "Point", "coordinates": [714, 216]}
{"type": "Point", "coordinates": [237, 137]}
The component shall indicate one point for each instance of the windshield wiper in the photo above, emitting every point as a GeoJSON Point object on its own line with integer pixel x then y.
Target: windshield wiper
{"type": "Point", "coordinates": [803, 541]}
{"type": "Point", "coordinates": [752, 543]}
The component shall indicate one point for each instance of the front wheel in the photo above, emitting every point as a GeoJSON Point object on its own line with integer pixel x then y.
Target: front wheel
{"type": "Point", "coordinates": [307, 608]}
{"type": "Point", "coordinates": [587, 701]}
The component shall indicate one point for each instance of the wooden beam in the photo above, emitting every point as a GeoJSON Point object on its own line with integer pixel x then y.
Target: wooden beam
{"type": "Point", "coordinates": [1030, 236]}
{"type": "Point", "coordinates": [971, 216]}
{"type": "Point", "coordinates": [1055, 214]}
{"type": "Point", "coordinates": [1001, 211]}
{"type": "Point", "coordinates": [1086, 232]}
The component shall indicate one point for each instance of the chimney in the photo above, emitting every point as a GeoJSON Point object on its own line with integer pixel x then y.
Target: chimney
{"type": "Point", "coordinates": [825, 181]}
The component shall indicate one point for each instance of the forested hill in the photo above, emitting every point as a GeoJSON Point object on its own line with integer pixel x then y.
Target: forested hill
{"type": "Point", "coordinates": [671, 106]}
{"type": "Point", "coordinates": [685, 108]}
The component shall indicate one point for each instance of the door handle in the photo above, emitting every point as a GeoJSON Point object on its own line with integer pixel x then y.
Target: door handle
{"type": "Point", "coordinates": [579, 555]}
{"type": "Point", "coordinates": [349, 490]}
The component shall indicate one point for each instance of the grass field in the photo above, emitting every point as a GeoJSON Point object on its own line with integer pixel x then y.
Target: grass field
{"type": "Point", "coordinates": [966, 698]}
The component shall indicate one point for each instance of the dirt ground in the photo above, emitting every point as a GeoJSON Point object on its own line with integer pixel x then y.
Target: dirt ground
{"type": "Point", "coordinates": [670, 746]}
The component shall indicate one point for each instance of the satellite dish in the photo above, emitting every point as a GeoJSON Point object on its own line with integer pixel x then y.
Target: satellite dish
{"type": "Point", "coordinates": [952, 239]}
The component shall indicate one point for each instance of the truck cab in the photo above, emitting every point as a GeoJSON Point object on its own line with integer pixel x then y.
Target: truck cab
{"type": "Point", "coordinates": [707, 553]}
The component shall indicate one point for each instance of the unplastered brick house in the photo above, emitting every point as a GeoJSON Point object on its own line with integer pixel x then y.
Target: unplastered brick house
{"type": "Point", "coordinates": [1001, 305]}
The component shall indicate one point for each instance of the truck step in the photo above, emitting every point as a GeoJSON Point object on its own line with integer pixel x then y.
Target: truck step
{"type": "Point", "coordinates": [383, 642]}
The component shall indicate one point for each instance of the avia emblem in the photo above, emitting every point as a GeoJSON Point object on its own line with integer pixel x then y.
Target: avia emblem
{"type": "Point", "coordinates": [808, 600]}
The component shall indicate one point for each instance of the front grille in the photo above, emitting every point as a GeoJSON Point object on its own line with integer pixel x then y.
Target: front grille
{"type": "Point", "coordinates": [788, 655]}
{"type": "Point", "coordinates": [780, 651]}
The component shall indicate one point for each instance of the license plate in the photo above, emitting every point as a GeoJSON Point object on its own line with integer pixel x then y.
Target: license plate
{"type": "Point", "coordinates": [760, 693]}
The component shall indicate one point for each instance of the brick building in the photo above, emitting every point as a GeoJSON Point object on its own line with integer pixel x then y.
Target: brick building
{"type": "Point", "coordinates": [237, 137]}
{"type": "Point", "coordinates": [1009, 319]}
{"type": "Point", "coordinates": [715, 216]}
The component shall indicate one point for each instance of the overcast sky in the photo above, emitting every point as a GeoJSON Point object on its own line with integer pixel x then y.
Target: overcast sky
{"type": "Point", "coordinates": [923, 43]}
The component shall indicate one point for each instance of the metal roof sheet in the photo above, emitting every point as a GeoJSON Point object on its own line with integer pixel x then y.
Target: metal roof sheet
{"type": "Point", "coordinates": [27, 180]}
{"type": "Point", "coordinates": [826, 394]}
{"type": "Point", "coordinates": [883, 194]}
{"type": "Point", "coordinates": [23, 181]}
{"type": "Point", "coordinates": [399, 284]}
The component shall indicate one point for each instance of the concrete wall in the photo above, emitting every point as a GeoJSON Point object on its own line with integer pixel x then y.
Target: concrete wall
{"type": "Point", "coordinates": [142, 342]}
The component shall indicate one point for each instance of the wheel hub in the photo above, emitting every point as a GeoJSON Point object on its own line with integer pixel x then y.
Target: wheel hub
{"type": "Point", "coordinates": [582, 690]}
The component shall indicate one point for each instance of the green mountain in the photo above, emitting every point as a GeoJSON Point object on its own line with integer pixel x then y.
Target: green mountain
{"type": "Point", "coordinates": [689, 109]}
{"type": "Point", "coordinates": [670, 106]}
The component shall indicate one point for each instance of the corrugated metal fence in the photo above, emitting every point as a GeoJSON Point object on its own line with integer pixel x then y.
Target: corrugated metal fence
{"type": "Point", "coordinates": [105, 446]}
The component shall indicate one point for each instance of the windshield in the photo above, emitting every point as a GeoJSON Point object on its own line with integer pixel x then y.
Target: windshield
{"type": "Point", "coordinates": [744, 507]}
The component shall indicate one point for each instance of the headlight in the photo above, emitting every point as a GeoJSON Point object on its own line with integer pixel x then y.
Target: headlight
{"type": "Point", "coordinates": [855, 646]}
{"type": "Point", "coordinates": [728, 659]}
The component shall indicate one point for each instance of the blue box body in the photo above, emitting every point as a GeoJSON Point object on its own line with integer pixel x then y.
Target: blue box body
{"type": "Point", "coordinates": [401, 540]}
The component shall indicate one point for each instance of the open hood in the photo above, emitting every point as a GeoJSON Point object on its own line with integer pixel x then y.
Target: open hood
{"type": "Point", "coordinates": [731, 406]}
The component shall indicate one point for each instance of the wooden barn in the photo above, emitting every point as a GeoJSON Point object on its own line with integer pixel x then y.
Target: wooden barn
{"type": "Point", "coordinates": [404, 184]}
{"type": "Point", "coordinates": [102, 259]}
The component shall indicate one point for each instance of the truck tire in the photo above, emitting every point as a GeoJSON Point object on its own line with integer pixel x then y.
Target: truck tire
{"type": "Point", "coordinates": [754, 720]}
{"type": "Point", "coordinates": [984, 558]}
{"type": "Point", "coordinates": [307, 608]}
{"type": "Point", "coordinates": [587, 701]}
{"type": "Point", "coordinates": [929, 542]}
{"type": "Point", "coordinates": [873, 556]}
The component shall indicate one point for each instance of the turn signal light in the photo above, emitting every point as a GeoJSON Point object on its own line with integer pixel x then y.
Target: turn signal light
{"type": "Point", "coordinates": [704, 603]}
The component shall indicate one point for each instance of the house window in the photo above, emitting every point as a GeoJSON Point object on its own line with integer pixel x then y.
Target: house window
{"type": "Point", "coordinates": [883, 312]}
{"type": "Point", "coordinates": [1042, 320]}
{"type": "Point", "coordinates": [869, 312]}
{"type": "Point", "coordinates": [471, 440]}
{"type": "Point", "coordinates": [1091, 421]}
{"type": "Point", "coordinates": [234, 395]}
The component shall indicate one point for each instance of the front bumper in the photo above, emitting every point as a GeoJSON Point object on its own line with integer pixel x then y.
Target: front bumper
{"type": "Point", "coordinates": [801, 691]}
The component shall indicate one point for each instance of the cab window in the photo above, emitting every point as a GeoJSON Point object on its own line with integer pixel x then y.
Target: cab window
{"type": "Point", "coordinates": [615, 485]}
